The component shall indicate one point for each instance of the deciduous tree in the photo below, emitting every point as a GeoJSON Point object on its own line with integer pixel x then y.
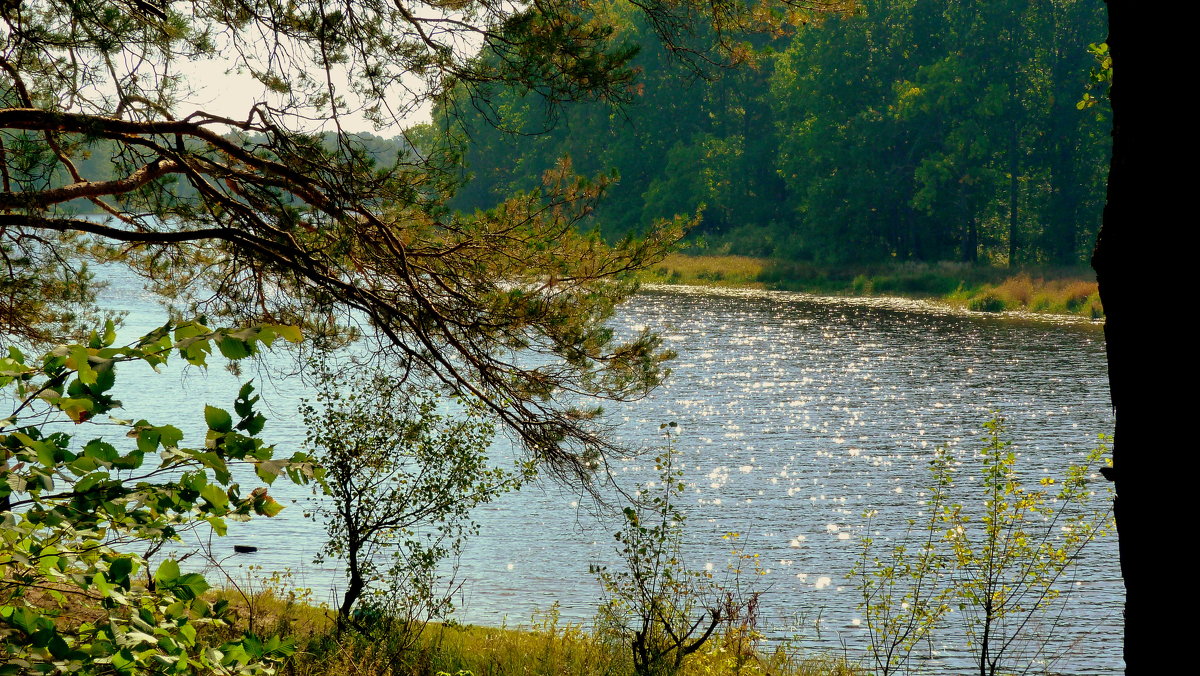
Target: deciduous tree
{"type": "Point", "coordinates": [401, 479]}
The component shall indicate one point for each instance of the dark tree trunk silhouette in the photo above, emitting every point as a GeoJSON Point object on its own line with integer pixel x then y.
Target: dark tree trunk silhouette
{"type": "Point", "coordinates": [1146, 202]}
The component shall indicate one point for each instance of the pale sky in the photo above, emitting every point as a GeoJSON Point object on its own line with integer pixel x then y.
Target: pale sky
{"type": "Point", "coordinates": [232, 95]}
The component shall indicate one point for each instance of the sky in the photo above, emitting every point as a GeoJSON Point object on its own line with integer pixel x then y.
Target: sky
{"type": "Point", "coordinates": [232, 94]}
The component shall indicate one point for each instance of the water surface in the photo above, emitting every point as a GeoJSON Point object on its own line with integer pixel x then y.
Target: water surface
{"type": "Point", "coordinates": [796, 415]}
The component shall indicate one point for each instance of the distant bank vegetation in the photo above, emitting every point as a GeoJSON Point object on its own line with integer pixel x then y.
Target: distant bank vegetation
{"type": "Point", "coordinates": [909, 131]}
{"type": "Point", "coordinates": [1065, 290]}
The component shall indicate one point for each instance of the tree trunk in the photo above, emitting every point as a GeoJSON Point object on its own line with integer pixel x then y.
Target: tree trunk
{"type": "Point", "coordinates": [1014, 167]}
{"type": "Point", "coordinates": [1145, 200]}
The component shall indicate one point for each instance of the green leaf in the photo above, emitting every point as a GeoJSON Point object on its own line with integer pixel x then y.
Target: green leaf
{"type": "Point", "coordinates": [78, 359]}
{"type": "Point", "coordinates": [189, 586]}
{"type": "Point", "coordinates": [232, 348]}
{"type": "Point", "coordinates": [196, 352]}
{"type": "Point", "coordinates": [215, 495]}
{"type": "Point", "coordinates": [106, 377]}
{"type": "Point", "coordinates": [167, 572]}
{"type": "Point", "coordinates": [269, 470]}
{"type": "Point", "coordinates": [244, 404]}
{"type": "Point", "coordinates": [169, 436]}
{"type": "Point", "coordinates": [119, 570]}
{"type": "Point", "coordinates": [264, 504]}
{"type": "Point", "coordinates": [102, 585]}
{"type": "Point", "coordinates": [58, 647]}
{"type": "Point", "coordinates": [188, 330]}
{"type": "Point", "coordinates": [77, 410]}
{"type": "Point", "coordinates": [147, 439]}
{"type": "Point", "coordinates": [218, 419]}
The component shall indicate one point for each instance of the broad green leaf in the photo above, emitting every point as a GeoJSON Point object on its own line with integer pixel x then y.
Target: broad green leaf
{"type": "Point", "coordinates": [77, 410]}
{"type": "Point", "coordinates": [78, 359]}
{"type": "Point", "coordinates": [266, 505]}
{"type": "Point", "coordinates": [218, 419]}
{"type": "Point", "coordinates": [196, 352]}
{"type": "Point", "coordinates": [269, 470]}
{"type": "Point", "coordinates": [106, 377]}
{"type": "Point", "coordinates": [167, 572]}
{"type": "Point", "coordinates": [232, 348]}
{"type": "Point", "coordinates": [253, 425]}
{"type": "Point", "coordinates": [189, 586]}
{"type": "Point", "coordinates": [188, 330]}
{"type": "Point", "coordinates": [102, 585]}
{"type": "Point", "coordinates": [119, 571]}
{"type": "Point", "coordinates": [147, 439]}
{"type": "Point", "coordinates": [169, 435]}
{"type": "Point", "coordinates": [215, 495]}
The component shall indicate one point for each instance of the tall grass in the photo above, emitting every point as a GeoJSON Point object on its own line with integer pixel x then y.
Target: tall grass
{"type": "Point", "coordinates": [741, 271]}
{"type": "Point", "coordinates": [546, 647]}
{"type": "Point", "coordinates": [1034, 294]}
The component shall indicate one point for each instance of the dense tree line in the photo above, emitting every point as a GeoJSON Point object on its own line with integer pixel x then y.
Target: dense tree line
{"type": "Point", "coordinates": [907, 130]}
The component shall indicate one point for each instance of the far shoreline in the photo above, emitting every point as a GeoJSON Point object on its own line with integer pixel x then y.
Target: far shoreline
{"type": "Point", "coordinates": [977, 288]}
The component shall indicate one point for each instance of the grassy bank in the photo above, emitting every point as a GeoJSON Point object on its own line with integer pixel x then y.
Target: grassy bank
{"type": "Point", "coordinates": [546, 647]}
{"type": "Point", "coordinates": [980, 288]}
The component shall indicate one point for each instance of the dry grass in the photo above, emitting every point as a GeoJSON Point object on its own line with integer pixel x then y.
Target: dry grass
{"type": "Point", "coordinates": [1017, 290]}
{"type": "Point", "coordinates": [1072, 296]}
{"type": "Point", "coordinates": [741, 271]}
{"type": "Point", "coordinates": [547, 648]}
{"type": "Point", "coordinates": [274, 612]}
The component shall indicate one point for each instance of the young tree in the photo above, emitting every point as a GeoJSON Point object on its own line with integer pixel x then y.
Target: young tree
{"type": "Point", "coordinates": [400, 482]}
{"type": "Point", "coordinates": [658, 607]}
{"type": "Point", "coordinates": [997, 549]}
{"type": "Point", "coordinates": [654, 603]}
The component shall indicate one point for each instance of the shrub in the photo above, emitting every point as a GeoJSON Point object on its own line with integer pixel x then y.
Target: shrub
{"type": "Point", "coordinates": [74, 594]}
{"type": "Point", "coordinates": [1001, 567]}
{"type": "Point", "coordinates": [658, 607]}
{"type": "Point", "coordinates": [1017, 290]}
{"type": "Point", "coordinates": [988, 301]}
{"type": "Point", "coordinates": [862, 285]}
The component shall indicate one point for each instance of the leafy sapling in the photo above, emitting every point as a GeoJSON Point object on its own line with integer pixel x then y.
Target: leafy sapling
{"type": "Point", "coordinates": [662, 609]}
{"type": "Point", "coordinates": [402, 477]}
{"type": "Point", "coordinates": [994, 553]}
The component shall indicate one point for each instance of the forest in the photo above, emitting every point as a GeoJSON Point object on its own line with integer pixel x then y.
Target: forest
{"type": "Point", "coordinates": [910, 131]}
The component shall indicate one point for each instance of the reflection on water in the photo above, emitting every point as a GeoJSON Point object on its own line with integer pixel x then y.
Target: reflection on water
{"type": "Point", "coordinates": [798, 413]}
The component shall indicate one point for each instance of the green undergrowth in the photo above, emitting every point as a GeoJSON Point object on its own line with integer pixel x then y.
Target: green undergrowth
{"type": "Point", "coordinates": [546, 647]}
{"type": "Point", "coordinates": [979, 288]}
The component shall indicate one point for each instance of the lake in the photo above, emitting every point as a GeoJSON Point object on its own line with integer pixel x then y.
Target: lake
{"type": "Point", "coordinates": [796, 415]}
